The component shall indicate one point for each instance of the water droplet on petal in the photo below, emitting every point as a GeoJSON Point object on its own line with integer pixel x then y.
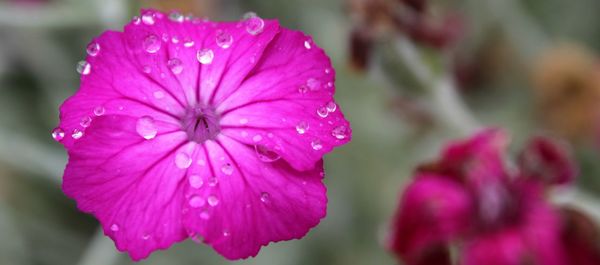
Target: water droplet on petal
{"type": "Point", "coordinates": [257, 138]}
{"type": "Point", "coordinates": [146, 69]}
{"type": "Point", "coordinates": [227, 169]}
{"type": "Point", "coordinates": [136, 20]}
{"type": "Point", "coordinates": [322, 112]}
{"type": "Point", "coordinates": [243, 121]}
{"type": "Point", "coordinates": [84, 68]}
{"type": "Point", "coordinates": [146, 237]}
{"type": "Point", "coordinates": [77, 134]}
{"type": "Point", "coordinates": [175, 39]}
{"type": "Point", "coordinates": [183, 160]}
{"type": "Point", "coordinates": [307, 45]}
{"type": "Point", "coordinates": [196, 202]}
{"type": "Point", "coordinates": [165, 37]}
{"type": "Point", "coordinates": [212, 200]}
{"type": "Point", "coordinates": [99, 111]}
{"type": "Point", "coordinates": [213, 181]}
{"type": "Point", "coordinates": [327, 70]}
{"type": "Point", "coordinates": [302, 127]}
{"type": "Point", "coordinates": [188, 43]}
{"type": "Point", "coordinates": [196, 181]}
{"type": "Point", "coordinates": [152, 44]}
{"type": "Point", "coordinates": [226, 233]}
{"type": "Point", "coordinates": [146, 127]}
{"type": "Point", "coordinates": [316, 145]}
{"type": "Point", "coordinates": [93, 49]}
{"type": "Point", "coordinates": [254, 25]}
{"type": "Point", "coordinates": [158, 94]}
{"type": "Point", "coordinates": [205, 56]}
{"type": "Point", "coordinates": [175, 65]}
{"type": "Point", "coordinates": [204, 215]}
{"type": "Point", "coordinates": [58, 134]}
{"type": "Point", "coordinates": [265, 197]}
{"type": "Point", "coordinates": [329, 84]}
{"type": "Point", "coordinates": [302, 89]}
{"type": "Point", "coordinates": [114, 228]}
{"type": "Point", "coordinates": [313, 84]}
{"type": "Point", "coordinates": [85, 122]}
{"type": "Point", "coordinates": [331, 106]}
{"type": "Point", "coordinates": [340, 132]}
{"type": "Point", "coordinates": [224, 39]}
{"type": "Point", "coordinates": [265, 154]}
{"type": "Point", "coordinates": [148, 18]}
{"type": "Point", "coordinates": [176, 17]}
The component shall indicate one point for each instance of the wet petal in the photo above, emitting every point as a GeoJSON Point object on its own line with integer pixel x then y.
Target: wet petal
{"type": "Point", "coordinates": [286, 103]}
{"type": "Point", "coordinates": [130, 184]}
{"type": "Point", "coordinates": [253, 202]}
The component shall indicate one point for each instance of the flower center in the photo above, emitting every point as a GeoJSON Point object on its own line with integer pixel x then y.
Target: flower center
{"type": "Point", "coordinates": [201, 124]}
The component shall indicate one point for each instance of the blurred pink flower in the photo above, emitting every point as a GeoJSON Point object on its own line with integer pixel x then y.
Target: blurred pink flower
{"type": "Point", "coordinates": [185, 127]}
{"type": "Point", "coordinates": [470, 201]}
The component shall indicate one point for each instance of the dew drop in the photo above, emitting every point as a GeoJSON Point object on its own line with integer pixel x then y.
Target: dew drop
{"type": "Point", "coordinates": [175, 65]}
{"type": "Point", "coordinates": [148, 18]}
{"type": "Point", "coordinates": [212, 200]}
{"type": "Point", "coordinates": [176, 17]}
{"type": "Point", "coordinates": [165, 37]}
{"type": "Point", "coordinates": [196, 181]}
{"type": "Point", "coordinates": [158, 94]}
{"type": "Point", "coordinates": [303, 89]}
{"type": "Point", "coordinates": [84, 68]}
{"type": "Point", "coordinates": [248, 15]}
{"type": "Point", "coordinates": [340, 132]}
{"type": "Point", "coordinates": [146, 69]}
{"type": "Point", "coordinates": [254, 25]}
{"type": "Point", "coordinates": [224, 39]}
{"type": "Point", "coordinates": [227, 169]}
{"type": "Point", "coordinates": [213, 181]}
{"type": "Point", "coordinates": [204, 215]}
{"type": "Point", "coordinates": [77, 134]}
{"type": "Point", "coordinates": [136, 20]}
{"type": "Point", "coordinates": [226, 233]}
{"type": "Point", "coordinates": [316, 145]}
{"type": "Point", "coordinates": [175, 39]}
{"type": "Point", "coordinates": [313, 84]}
{"type": "Point", "coordinates": [265, 197]}
{"type": "Point", "coordinates": [243, 121]}
{"type": "Point", "coordinates": [331, 106]}
{"type": "Point", "coordinates": [322, 112]}
{"type": "Point", "coordinates": [146, 237]}
{"type": "Point", "coordinates": [85, 121]}
{"type": "Point", "coordinates": [257, 138]}
{"type": "Point", "coordinates": [329, 84]}
{"type": "Point", "coordinates": [327, 70]}
{"type": "Point", "coordinates": [196, 202]}
{"type": "Point", "coordinates": [114, 228]}
{"type": "Point", "coordinates": [183, 160]}
{"type": "Point", "coordinates": [58, 134]}
{"type": "Point", "coordinates": [307, 45]}
{"type": "Point", "coordinates": [265, 154]}
{"type": "Point", "coordinates": [146, 127]}
{"type": "Point", "coordinates": [93, 49]}
{"type": "Point", "coordinates": [152, 43]}
{"type": "Point", "coordinates": [205, 56]}
{"type": "Point", "coordinates": [302, 127]}
{"type": "Point", "coordinates": [187, 42]}
{"type": "Point", "coordinates": [99, 111]}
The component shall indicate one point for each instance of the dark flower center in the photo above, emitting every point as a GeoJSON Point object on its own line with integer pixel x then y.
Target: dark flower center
{"type": "Point", "coordinates": [201, 124]}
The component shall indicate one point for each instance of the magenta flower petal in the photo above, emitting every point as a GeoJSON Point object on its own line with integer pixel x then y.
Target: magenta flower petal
{"type": "Point", "coordinates": [433, 210]}
{"type": "Point", "coordinates": [247, 206]}
{"type": "Point", "coordinates": [192, 128]}
{"type": "Point", "coordinates": [130, 184]}
{"type": "Point", "coordinates": [286, 103]}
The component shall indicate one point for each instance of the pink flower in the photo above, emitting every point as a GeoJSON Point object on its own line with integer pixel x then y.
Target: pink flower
{"type": "Point", "coordinates": [469, 201]}
{"type": "Point", "coordinates": [191, 128]}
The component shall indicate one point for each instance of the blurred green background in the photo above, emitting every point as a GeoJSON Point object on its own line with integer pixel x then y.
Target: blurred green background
{"type": "Point", "coordinates": [396, 123]}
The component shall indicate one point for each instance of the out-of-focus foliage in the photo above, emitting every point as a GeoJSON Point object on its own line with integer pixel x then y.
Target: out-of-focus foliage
{"type": "Point", "coordinates": [41, 42]}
